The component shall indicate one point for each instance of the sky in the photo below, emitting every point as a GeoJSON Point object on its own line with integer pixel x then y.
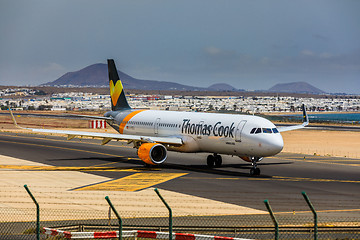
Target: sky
{"type": "Point", "coordinates": [250, 45]}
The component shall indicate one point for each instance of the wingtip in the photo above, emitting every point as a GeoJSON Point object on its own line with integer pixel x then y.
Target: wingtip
{"type": "Point", "coordinates": [305, 116]}
{"type": "Point", "coordinates": [13, 118]}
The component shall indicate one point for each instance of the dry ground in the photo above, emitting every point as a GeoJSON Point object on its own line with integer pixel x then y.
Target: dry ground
{"type": "Point", "coordinates": [320, 142]}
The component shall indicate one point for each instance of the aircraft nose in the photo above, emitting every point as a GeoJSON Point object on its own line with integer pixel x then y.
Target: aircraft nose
{"type": "Point", "coordinates": [277, 143]}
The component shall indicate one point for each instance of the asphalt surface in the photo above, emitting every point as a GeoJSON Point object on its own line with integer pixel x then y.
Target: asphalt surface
{"type": "Point", "coordinates": [332, 184]}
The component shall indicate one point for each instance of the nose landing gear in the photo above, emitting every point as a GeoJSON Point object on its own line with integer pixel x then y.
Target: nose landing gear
{"type": "Point", "coordinates": [214, 160]}
{"type": "Point", "coordinates": [255, 171]}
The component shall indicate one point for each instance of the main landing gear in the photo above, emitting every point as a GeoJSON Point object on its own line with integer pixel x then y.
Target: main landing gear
{"type": "Point", "coordinates": [255, 171]}
{"type": "Point", "coordinates": [214, 160]}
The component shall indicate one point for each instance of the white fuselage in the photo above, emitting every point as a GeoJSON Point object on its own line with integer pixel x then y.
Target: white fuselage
{"type": "Point", "coordinates": [240, 135]}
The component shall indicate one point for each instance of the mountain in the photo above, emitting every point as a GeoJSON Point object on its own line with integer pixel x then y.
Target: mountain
{"type": "Point", "coordinates": [97, 75]}
{"type": "Point", "coordinates": [296, 87]}
{"type": "Point", "coordinates": [221, 87]}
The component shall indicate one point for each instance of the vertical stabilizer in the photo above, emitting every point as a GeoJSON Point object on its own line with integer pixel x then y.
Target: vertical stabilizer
{"type": "Point", "coordinates": [117, 94]}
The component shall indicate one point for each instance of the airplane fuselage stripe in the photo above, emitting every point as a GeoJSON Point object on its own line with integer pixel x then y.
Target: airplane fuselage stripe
{"type": "Point", "coordinates": [126, 119]}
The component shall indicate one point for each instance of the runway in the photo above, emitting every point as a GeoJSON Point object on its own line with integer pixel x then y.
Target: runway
{"type": "Point", "coordinates": [331, 183]}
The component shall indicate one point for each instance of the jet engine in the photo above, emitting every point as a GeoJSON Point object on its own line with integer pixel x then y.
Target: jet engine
{"type": "Point", "coordinates": [152, 153]}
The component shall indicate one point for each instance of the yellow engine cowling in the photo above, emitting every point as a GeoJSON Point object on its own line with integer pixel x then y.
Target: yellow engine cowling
{"type": "Point", "coordinates": [152, 153]}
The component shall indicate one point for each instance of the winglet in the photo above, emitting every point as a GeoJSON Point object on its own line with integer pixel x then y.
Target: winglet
{"type": "Point", "coordinates": [305, 116]}
{"type": "Point", "coordinates": [13, 118]}
{"type": "Point", "coordinates": [304, 124]}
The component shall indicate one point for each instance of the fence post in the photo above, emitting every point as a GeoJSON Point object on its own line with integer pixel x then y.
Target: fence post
{"type": "Point", "coordinates": [37, 212]}
{"type": "Point", "coordinates": [315, 215]}
{"type": "Point", "coordinates": [267, 204]}
{"type": "Point", "coordinates": [170, 213]}
{"type": "Point", "coordinates": [117, 215]}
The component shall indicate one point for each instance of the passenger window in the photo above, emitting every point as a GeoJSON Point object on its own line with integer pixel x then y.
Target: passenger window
{"type": "Point", "coordinates": [275, 130]}
{"type": "Point", "coordinates": [258, 130]}
{"type": "Point", "coordinates": [252, 130]}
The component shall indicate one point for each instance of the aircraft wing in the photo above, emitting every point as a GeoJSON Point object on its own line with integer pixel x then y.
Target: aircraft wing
{"type": "Point", "coordinates": [67, 116]}
{"type": "Point", "coordinates": [107, 137]}
{"type": "Point", "coordinates": [85, 117]}
{"type": "Point", "coordinates": [304, 124]}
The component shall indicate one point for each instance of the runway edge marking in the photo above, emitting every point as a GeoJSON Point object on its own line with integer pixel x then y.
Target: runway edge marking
{"type": "Point", "coordinates": [134, 182]}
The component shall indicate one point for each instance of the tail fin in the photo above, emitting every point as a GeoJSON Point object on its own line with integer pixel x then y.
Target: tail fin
{"type": "Point", "coordinates": [118, 99]}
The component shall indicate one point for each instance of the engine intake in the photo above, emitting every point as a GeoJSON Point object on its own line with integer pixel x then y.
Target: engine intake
{"type": "Point", "coordinates": [152, 153]}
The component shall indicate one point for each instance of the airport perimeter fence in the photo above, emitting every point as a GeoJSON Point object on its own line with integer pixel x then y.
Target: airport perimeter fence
{"type": "Point", "coordinates": [109, 218]}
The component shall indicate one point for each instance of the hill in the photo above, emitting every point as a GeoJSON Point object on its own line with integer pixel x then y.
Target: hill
{"type": "Point", "coordinates": [296, 87]}
{"type": "Point", "coordinates": [221, 87]}
{"type": "Point", "coordinates": [96, 75]}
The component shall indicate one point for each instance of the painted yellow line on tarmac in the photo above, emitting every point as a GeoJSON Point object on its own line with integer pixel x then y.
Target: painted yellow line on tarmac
{"type": "Point", "coordinates": [299, 179]}
{"type": "Point", "coordinates": [71, 149]}
{"type": "Point", "coordinates": [340, 162]}
{"type": "Point", "coordinates": [103, 164]}
{"type": "Point", "coordinates": [55, 168]}
{"type": "Point", "coordinates": [321, 211]}
{"type": "Point", "coordinates": [133, 182]}
{"type": "Point", "coordinates": [280, 178]}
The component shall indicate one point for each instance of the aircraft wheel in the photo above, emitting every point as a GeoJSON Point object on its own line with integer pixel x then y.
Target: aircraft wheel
{"type": "Point", "coordinates": [255, 171]}
{"type": "Point", "coordinates": [218, 161]}
{"type": "Point", "coordinates": [210, 161]}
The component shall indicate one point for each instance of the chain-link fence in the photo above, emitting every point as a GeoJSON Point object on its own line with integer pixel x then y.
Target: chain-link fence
{"type": "Point", "coordinates": [188, 216]}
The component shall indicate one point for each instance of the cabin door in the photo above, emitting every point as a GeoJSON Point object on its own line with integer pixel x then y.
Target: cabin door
{"type": "Point", "coordinates": [156, 126]}
{"type": "Point", "coordinates": [238, 131]}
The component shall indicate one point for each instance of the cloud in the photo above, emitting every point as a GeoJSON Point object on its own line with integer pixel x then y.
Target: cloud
{"type": "Point", "coordinates": [325, 55]}
{"type": "Point", "coordinates": [307, 53]}
{"type": "Point", "coordinates": [320, 37]}
{"type": "Point", "coordinates": [212, 50]}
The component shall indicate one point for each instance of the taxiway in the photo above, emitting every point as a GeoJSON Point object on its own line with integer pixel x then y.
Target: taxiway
{"type": "Point", "coordinates": [332, 183]}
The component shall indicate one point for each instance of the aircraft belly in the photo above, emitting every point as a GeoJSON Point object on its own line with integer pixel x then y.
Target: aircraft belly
{"type": "Point", "coordinates": [217, 145]}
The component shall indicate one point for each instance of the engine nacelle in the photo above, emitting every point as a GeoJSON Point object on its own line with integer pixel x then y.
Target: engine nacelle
{"type": "Point", "coordinates": [152, 153]}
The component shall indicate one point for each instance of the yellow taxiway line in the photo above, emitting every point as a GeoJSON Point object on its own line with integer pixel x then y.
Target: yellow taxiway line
{"type": "Point", "coordinates": [278, 178]}
{"type": "Point", "coordinates": [341, 162]}
{"type": "Point", "coordinates": [321, 211]}
{"type": "Point", "coordinates": [134, 182]}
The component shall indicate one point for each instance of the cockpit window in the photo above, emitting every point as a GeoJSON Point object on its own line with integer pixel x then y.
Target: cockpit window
{"type": "Point", "coordinates": [266, 130]}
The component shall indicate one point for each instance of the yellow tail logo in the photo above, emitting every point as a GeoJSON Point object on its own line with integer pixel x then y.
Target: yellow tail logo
{"type": "Point", "coordinates": [115, 91]}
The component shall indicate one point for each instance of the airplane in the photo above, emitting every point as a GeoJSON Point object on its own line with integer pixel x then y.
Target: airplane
{"type": "Point", "coordinates": [154, 132]}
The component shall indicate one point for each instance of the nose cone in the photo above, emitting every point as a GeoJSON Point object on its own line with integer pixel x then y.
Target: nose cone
{"type": "Point", "coordinates": [272, 145]}
{"type": "Point", "coordinates": [278, 143]}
